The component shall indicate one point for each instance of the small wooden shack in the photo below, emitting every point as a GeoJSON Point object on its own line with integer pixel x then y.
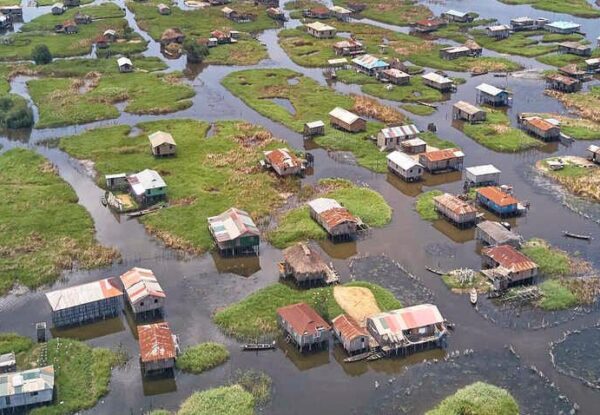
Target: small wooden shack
{"type": "Point", "coordinates": [484, 175]}
{"type": "Point", "coordinates": [158, 348]}
{"type": "Point", "coordinates": [319, 12]}
{"type": "Point", "coordinates": [320, 30]}
{"type": "Point", "coordinates": [58, 8]}
{"type": "Point", "coordinates": [563, 83]}
{"type": "Point", "coordinates": [545, 129]}
{"type": "Point", "coordinates": [345, 120]}
{"type": "Point", "coordinates": [8, 363]}
{"type": "Point", "coordinates": [491, 95]}
{"type": "Point", "coordinates": [457, 211]}
{"type": "Point", "coordinates": [390, 138]}
{"type": "Point", "coordinates": [235, 233]}
{"type": "Point", "coordinates": [162, 144]}
{"type": "Point", "coordinates": [468, 112]}
{"type": "Point", "coordinates": [592, 65]}
{"type": "Point", "coordinates": [353, 338]}
{"type": "Point", "coordinates": [304, 264]}
{"type": "Point", "coordinates": [283, 161]}
{"type": "Point", "coordinates": [82, 303]}
{"type": "Point", "coordinates": [369, 65]}
{"type": "Point", "coordinates": [457, 16]}
{"type": "Point", "coordinates": [125, 65]}
{"type": "Point", "coordinates": [341, 13]}
{"type": "Point", "coordinates": [413, 146]}
{"type": "Point", "coordinates": [339, 223]}
{"type": "Point", "coordinates": [111, 35]}
{"type": "Point", "coordinates": [404, 166]}
{"type": "Point", "coordinates": [276, 13]}
{"type": "Point", "coordinates": [442, 160]}
{"type": "Point", "coordinates": [575, 48]}
{"type": "Point", "coordinates": [143, 292]}
{"type": "Point", "coordinates": [394, 76]}
{"type": "Point", "coordinates": [498, 32]}
{"type": "Point", "coordinates": [438, 82]}
{"type": "Point", "coordinates": [493, 233]}
{"type": "Point", "coordinates": [304, 326]}
{"type": "Point", "coordinates": [454, 52]}
{"type": "Point", "coordinates": [572, 70]}
{"type": "Point", "coordinates": [314, 128]}
{"type": "Point", "coordinates": [172, 35]}
{"type": "Point", "coordinates": [101, 42]}
{"type": "Point", "coordinates": [348, 47]}
{"type": "Point", "coordinates": [147, 187]}
{"type": "Point", "coordinates": [498, 201]}
{"type": "Point", "coordinates": [429, 25]}
{"type": "Point", "coordinates": [163, 9]}
{"type": "Point", "coordinates": [507, 267]}
{"type": "Point", "coordinates": [81, 18]}
{"type": "Point", "coordinates": [594, 153]}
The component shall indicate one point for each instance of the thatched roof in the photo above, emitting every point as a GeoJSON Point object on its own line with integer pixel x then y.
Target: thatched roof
{"type": "Point", "coordinates": [172, 34]}
{"type": "Point", "coordinates": [304, 259]}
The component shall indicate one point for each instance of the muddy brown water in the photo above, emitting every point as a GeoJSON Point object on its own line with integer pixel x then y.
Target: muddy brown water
{"type": "Point", "coordinates": [320, 382]}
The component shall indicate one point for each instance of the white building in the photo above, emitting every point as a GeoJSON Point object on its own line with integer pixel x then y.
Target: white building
{"type": "Point", "coordinates": [391, 137]}
{"type": "Point", "coordinates": [30, 387]}
{"type": "Point", "coordinates": [404, 166]}
{"type": "Point", "coordinates": [484, 175]}
{"type": "Point", "coordinates": [320, 30]}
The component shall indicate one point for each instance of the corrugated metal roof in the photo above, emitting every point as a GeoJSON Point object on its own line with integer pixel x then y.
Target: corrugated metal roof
{"type": "Point", "coordinates": [508, 257]}
{"type": "Point", "coordinates": [400, 131]}
{"type": "Point", "coordinates": [574, 45]}
{"type": "Point", "coordinates": [456, 49]}
{"type": "Point", "coordinates": [282, 158]}
{"type": "Point", "coordinates": [414, 142]}
{"type": "Point", "coordinates": [156, 342]}
{"type": "Point", "coordinates": [344, 115]}
{"type": "Point", "coordinates": [302, 318]}
{"type": "Point", "coordinates": [454, 204]}
{"type": "Point", "coordinates": [161, 137]}
{"type": "Point", "coordinates": [315, 124]}
{"type": "Point", "coordinates": [83, 294]}
{"type": "Point", "coordinates": [564, 25]}
{"type": "Point", "coordinates": [483, 170]}
{"type": "Point", "coordinates": [404, 161]}
{"type": "Point", "coordinates": [540, 123]}
{"type": "Point", "coordinates": [338, 61]}
{"type": "Point", "coordinates": [468, 108]}
{"type": "Point", "coordinates": [232, 224]}
{"type": "Point", "coordinates": [567, 80]}
{"type": "Point", "coordinates": [145, 180]}
{"type": "Point", "coordinates": [370, 62]}
{"type": "Point", "coordinates": [140, 283]}
{"type": "Point", "coordinates": [392, 323]}
{"type": "Point", "coordinates": [455, 13]}
{"type": "Point", "coordinates": [28, 381]}
{"type": "Point", "coordinates": [593, 148]}
{"type": "Point", "coordinates": [498, 28]}
{"type": "Point", "coordinates": [433, 22]}
{"type": "Point", "coordinates": [340, 10]}
{"type": "Point", "coordinates": [497, 196]}
{"type": "Point", "coordinates": [124, 61]}
{"type": "Point", "coordinates": [347, 327]}
{"type": "Point", "coordinates": [497, 232]}
{"type": "Point", "coordinates": [336, 216]}
{"type": "Point", "coordinates": [593, 61]}
{"type": "Point", "coordinates": [437, 78]}
{"type": "Point", "coordinates": [490, 89]}
{"type": "Point", "coordinates": [347, 43]}
{"type": "Point", "coordinates": [320, 27]}
{"type": "Point", "coordinates": [445, 154]}
{"type": "Point", "coordinates": [395, 73]}
{"type": "Point", "coordinates": [322, 204]}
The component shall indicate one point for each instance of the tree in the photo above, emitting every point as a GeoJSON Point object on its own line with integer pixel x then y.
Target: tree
{"type": "Point", "coordinates": [195, 51]}
{"type": "Point", "coordinates": [41, 55]}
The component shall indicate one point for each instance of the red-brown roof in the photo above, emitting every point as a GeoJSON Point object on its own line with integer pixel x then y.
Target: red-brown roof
{"type": "Point", "coordinates": [348, 327]}
{"type": "Point", "coordinates": [541, 123]}
{"type": "Point", "coordinates": [302, 318]}
{"type": "Point", "coordinates": [430, 22]}
{"type": "Point", "coordinates": [218, 34]}
{"type": "Point", "coordinates": [319, 10]}
{"type": "Point", "coordinates": [446, 154]}
{"type": "Point", "coordinates": [562, 79]}
{"type": "Point", "coordinates": [454, 204]}
{"type": "Point", "coordinates": [282, 158]}
{"type": "Point", "coordinates": [335, 216]}
{"type": "Point", "coordinates": [497, 196]}
{"type": "Point", "coordinates": [508, 257]}
{"type": "Point", "coordinates": [156, 342]}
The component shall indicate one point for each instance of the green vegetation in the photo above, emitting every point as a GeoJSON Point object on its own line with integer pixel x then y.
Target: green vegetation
{"type": "Point", "coordinates": [82, 375]}
{"type": "Point", "coordinates": [401, 12]}
{"type": "Point", "coordinates": [208, 176]}
{"type": "Point", "coordinates": [416, 90]}
{"type": "Point", "coordinates": [417, 109]}
{"type": "Point", "coordinates": [202, 357]}
{"type": "Point", "coordinates": [581, 8]}
{"type": "Point", "coordinates": [312, 102]}
{"type": "Point", "coordinates": [577, 179]}
{"type": "Point", "coordinates": [256, 314]}
{"type": "Point", "coordinates": [244, 52]}
{"type": "Point", "coordinates": [497, 134]}
{"type": "Point", "coordinates": [92, 97]}
{"type": "Point", "coordinates": [40, 31]}
{"type": "Point", "coordinates": [195, 52]}
{"type": "Point", "coordinates": [14, 112]}
{"type": "Point", "coordinates": [256, 382]}
{"type": "Point", "coordinates": [478, 398]}
{"type": "Point", "coordinates": [306, 50]}
{"type": "Point", "coordinates": [41, 55]}
{"type": "Point", "coordinates": [434, 141]}
{"type": "Point", "coordinates": [552, 262]}
{"type": "Point", "coordinates": [425, 206]}
{"type": "Point", "coordinates": [562, 59]}
{"type": "Point", "coordinates": [36, 243]}
{"type": "Point", "coordinates": [556, 296]}
{"type": "Point", "coordinates": [297, 225]}
{"type": "Point", "coordinates": [12, 342]}
{"type": "Point", "coordinates": [454, 282]}
{"type": "Point", "coordinates": [585, 104]}
{"type": "Point", "coordinates": [519, 43]}
{"type": "Point", "coordinates": [225, 400]}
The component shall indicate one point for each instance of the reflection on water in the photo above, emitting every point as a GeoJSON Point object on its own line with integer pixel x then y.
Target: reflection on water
{"type": "Point", "coordinates": [303, 361]}
{"type": "Point", "coordinates": [456, 234]}
{"type": "Point", "coordinates": [409, 189]}
{"type": "Point", "coordinates": [339, 250]}
{"type": "Point", "coordinates": [90, 331]}
{"type": "Point", "coordinates": [158, 385]}
{"type": "Point", "coordinates": [243, 266]}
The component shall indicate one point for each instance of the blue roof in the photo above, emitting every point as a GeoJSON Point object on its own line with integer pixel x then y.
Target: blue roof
{"type": "Point", "coordinates": [370, 62]}
{"type": "Point", "coordinates": [564, 25]}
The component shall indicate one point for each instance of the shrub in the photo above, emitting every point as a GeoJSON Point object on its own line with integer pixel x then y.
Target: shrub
{"type": "Point", "coordinates": [478, 398]}
{"type": "Point", "coordinates": [41, 55]}
{"type": "Point", "coordinates": [202, 357]}
{"type": "Point", "coordinates": [14, 112]}
{"type": "Point", "coordinates": [195, 51]}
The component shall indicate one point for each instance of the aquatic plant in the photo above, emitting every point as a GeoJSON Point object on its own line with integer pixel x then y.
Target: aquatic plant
{"type": "Point", "coordinates": [478, 398]}
{"type": "Point", "coordinates": [202, 357]}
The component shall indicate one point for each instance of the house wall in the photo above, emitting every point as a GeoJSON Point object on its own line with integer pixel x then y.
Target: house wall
{"type": "Point", "coordinates": [148, 303]}
{"type": "Point", "coordinates": [286, 171]}
{"type": "Point", "coordinates": [490, 178]}
{"type": "Point", "coordinates": [502, 210]}
{"type": "Point", "coordinates": [102, 309]}
{"type": "Point", "coordinates": [440, 86]}
{"type": "Point", "coordinates": [158, 365]}
{"type": "Point", "coordinates": [453, 163]}
{"type": "Point", "coordinates": [27, 398]}
{"type": "Point", "coordinates": [353, 345]}
{"type": "Point", "coordinates": [358, 125]}
{"type": "Point", "coordinates": [346, 228]}
{"type": "Point", "coordinates": [306, 340]}
{"type": "Point", "coordinates": [164, 149]}
{"type": "Point", "coordinates": [412, 174]}
{"type": "Point", "coordinates": [454, 216]}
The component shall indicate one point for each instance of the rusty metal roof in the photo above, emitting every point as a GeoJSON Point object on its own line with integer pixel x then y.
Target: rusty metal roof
{"type": "Point", "coordinates": [156, 342]}
{"type": "Point", "coordinates": [83, 294]}
{"type": "Point", "coordinates": [140, 283]}
{"type": "Point", "coordinates": [454, 204]}
{"type": "Point", "coordinates": [439, 155]}
{"type": "Point", "coordinates": [497, 196]}
{"type": "Point", "coordinates": [348, 327]}
{"type": "Point", "coordinates": [282, 158]}
{"type": "Point", "coordinates": [303, 318]}
{"type": "Point", "coordinates": [508, 257]}
{"type": "Point", "coordinates": [336, 216]}
{"type": "Point", "coordinates": [540, 123]}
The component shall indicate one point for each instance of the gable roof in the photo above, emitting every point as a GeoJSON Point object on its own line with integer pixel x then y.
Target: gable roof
{"type": "Point", "coordinates": [497, 232]}
{"type": "Point", "coordinates": [303, 319]}
{"type": "Point", "coordinates": [393, 323]}
{"type": "Point", "coordinates": [467, 107]}
{"type": "Point", "coordinates": [490, 89]}
{"type": "Point", "coordinates": [140, 283]}
{"type": "Point", "coordinates": [83, 294]}
{"type": "Point", "coordinates": [320, 27]}
{"type": "Point", "coordinates": [400, 131]}
{"type": "Point", "coordinates": [344, 115]}
{"type": "Point", "coordinates": [404, 161]}
{"type": "Point", "coordinates": [483, 169]}
{"type": "Point", "coordinates": [370, 62]}
{"type": "Point", "coordinates": [156, 342]}
{"type": "Point", "coordinates": [454, 204]}
{"type": "Point", "coordinates": [282, 157]}
{"type": "Point", "coordinates": [160, 137]}
{"type": "Point", "coordinates": [445, 154]}
{"type": "Point", "coordinates": [348, 327]}
{"type": "Point", "coordinates": [508, 257]}
{"type": "Point", "coordinates": [497, 196]}
{"type": "Point", "coordinates": [145, 180]}
{"type": "Point", "coordinates": [305, 259]}
{"type": "Point", "coordinates": [232, 224]}
{"type": "Point", "coordinates": [437, 78]}
{"type": "Point", "coordinates": [122, 61]}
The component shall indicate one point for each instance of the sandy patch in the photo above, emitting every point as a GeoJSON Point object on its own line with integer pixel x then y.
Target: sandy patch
{"type": "Point", "coordinates": [358, 302]}
{"type": "Point", "coordinates": [125, 200]}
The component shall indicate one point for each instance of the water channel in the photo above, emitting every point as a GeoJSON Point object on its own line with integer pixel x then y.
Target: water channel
{"type": "Point", "coordinates": [320, 383]}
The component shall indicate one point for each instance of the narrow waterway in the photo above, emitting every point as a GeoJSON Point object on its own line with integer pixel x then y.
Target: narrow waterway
{"type": "Point", "coordinates": [320, 383]}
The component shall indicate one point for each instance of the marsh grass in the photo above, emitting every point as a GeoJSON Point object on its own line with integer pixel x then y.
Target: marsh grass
{"type": "Point", "coordinates": [255, 315]}
{"type": "Point", "coordinates": [224, 400]}
{"type": "Point", "coordinates": [580, 8]}
{"type": "Point", "coordinates": [202, 357]}
{"type": "Point", "coordinates": [37, 242]}
{"type": "Point", "coordinates": [478, 398]}
{"type": "Point", "coordinates": [206, 177]}
{"type": "Point", "coordinates": [425, 206]}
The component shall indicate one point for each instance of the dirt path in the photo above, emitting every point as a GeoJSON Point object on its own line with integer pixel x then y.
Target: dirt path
{"type": "Point", "coordinates": [358, 302]}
